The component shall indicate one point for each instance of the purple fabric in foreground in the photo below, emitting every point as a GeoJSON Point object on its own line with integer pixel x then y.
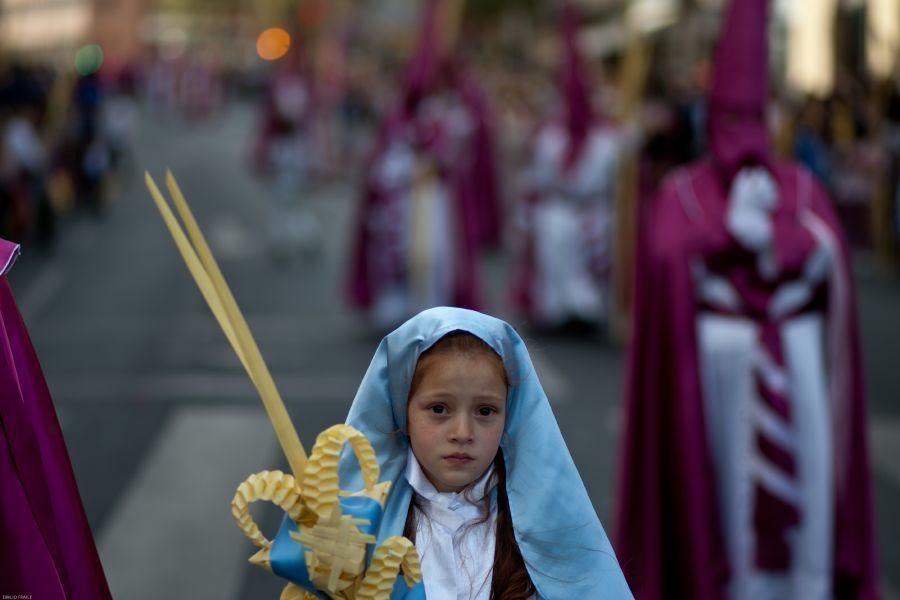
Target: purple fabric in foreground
{"type": "Point", "coordinates": [46, 547]}
{"type": "Point", "coordinates": [669, 539]}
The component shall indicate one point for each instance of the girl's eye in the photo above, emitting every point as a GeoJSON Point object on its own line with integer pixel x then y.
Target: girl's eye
{"type": "Point", "coordinates": [439, 409]}
{"type": "Point", "coordinates": [486, 411]}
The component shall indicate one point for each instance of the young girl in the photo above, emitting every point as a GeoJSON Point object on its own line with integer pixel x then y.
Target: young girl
{"type": "Point", "coordinates": [482, 479]}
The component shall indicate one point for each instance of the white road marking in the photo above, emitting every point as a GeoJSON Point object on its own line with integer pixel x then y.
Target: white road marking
{"type": "Point", "coordinates": [171, 534]}
{"type": "Point", "coordinates": [271, 329]}
{"type": "Point", "coordinates": [212, 386]}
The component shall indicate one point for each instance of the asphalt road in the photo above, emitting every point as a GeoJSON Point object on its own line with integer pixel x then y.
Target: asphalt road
{"type": "Point", "coordinates": [161, 422]}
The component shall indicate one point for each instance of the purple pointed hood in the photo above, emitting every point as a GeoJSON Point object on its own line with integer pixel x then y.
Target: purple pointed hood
{"type": "Point", "coordinates": [579, 114]}
{"type": "Point", "coordinates": [424, 72]}
{"type": "Point", "coordinates": [740, 89]}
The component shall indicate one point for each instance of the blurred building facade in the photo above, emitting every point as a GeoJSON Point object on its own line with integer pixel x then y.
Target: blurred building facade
{"type": "Point", "coordinates": [46, 28]}
{"type": "Point", "coordinates": [43, 26]}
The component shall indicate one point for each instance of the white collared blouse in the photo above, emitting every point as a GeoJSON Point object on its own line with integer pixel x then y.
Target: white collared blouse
{"type": "Point", "coordinates": [456, 550]}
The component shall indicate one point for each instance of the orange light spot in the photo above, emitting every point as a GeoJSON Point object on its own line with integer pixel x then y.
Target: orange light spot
{"type": "Point", "coordinates": [273, 43]}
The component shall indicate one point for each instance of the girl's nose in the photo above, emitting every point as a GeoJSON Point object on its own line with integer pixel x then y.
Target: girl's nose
{"type": "Point", "coordinates": [462, 430]}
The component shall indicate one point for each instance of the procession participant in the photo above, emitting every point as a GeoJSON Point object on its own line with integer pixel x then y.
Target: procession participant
{"type": "Point", "coordinates": [564, 268]}
{"type": "Point", "coordinates": [421, 220]}
{"type": "Point", "coordinates": [481, 477]}
{"type": "Point", "coordinates": [284, 154]}
{"type": "Point", "coordinates": [46, 548]}
{"type": "Point", "coordinates": [745, 470]}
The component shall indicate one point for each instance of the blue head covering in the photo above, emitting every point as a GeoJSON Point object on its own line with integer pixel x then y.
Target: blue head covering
{"type": "Point", "coordinates": [561, 539]}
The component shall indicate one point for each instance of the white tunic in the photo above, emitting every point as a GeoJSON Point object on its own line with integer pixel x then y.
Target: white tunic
{"type": "Point", "coordinates": [730, 353]}
{"type": "Point", "coordinates": [456, 551]}
{"type": "Point", "coordinates": [416, 226]}
{"type": "Point", "coordinates": [731, 357]}
{"type": "Point", "coordinates": [571, 225]}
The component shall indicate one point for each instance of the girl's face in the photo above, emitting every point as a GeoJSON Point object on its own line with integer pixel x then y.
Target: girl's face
{"type": "Point", "coordinates": [456, 415]}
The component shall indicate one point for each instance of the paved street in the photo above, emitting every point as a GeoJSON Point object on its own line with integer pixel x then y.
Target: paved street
{"type": "Point", "coordinates": [162, 424]}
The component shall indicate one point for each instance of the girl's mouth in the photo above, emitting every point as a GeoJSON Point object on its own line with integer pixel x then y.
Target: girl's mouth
{"type": "Point", "coordinates": [458, 459]}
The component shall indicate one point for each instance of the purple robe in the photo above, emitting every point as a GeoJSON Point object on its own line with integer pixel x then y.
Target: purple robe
{"type": "Point", "coordinates": [669, 537]}
{"type": "Point", "coordinates": [46, 547]}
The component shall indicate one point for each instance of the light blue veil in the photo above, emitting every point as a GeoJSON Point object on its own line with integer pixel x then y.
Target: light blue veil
{"type": "Point", "coordinates": [559, 534]}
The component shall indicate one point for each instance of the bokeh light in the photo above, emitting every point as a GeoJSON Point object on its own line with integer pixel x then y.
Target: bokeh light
{"type": "Point", "coordinates": [88, 59]}
{"type": "Point", "coordinates": [273, 43]}
{"type": "Point", "coordinates": [172, 43]}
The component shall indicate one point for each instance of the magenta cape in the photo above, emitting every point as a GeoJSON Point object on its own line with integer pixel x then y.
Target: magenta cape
{"type": "Point", "coordinates": [668, 538]}
{"type": "Point", "coordinates": [46, 547]}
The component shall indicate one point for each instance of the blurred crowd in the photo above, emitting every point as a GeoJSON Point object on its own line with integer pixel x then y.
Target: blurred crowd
{"type": "Point", "coordinates": [68, 137]}
{"type": "Point", "coordinates": [62, 136]}
{"type": "Point", "coordinates": [314, 118]}
{"type": "Point", "coordinates": [850, 142]}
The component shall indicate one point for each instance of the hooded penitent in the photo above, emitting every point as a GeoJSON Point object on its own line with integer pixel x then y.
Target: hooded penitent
{"type": "Point", "coordinates": [561, 539]}
{"type": "Point", "coordinates": [670, 534]}
{"type": "Point", "coordinates": [566, 216]}
{"type": "Point", "coordinates": [470, 177]}
{"type": "Point", "coordinates": [435, 64]}
{"type": "Point", "coordinates": [46, 547]}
